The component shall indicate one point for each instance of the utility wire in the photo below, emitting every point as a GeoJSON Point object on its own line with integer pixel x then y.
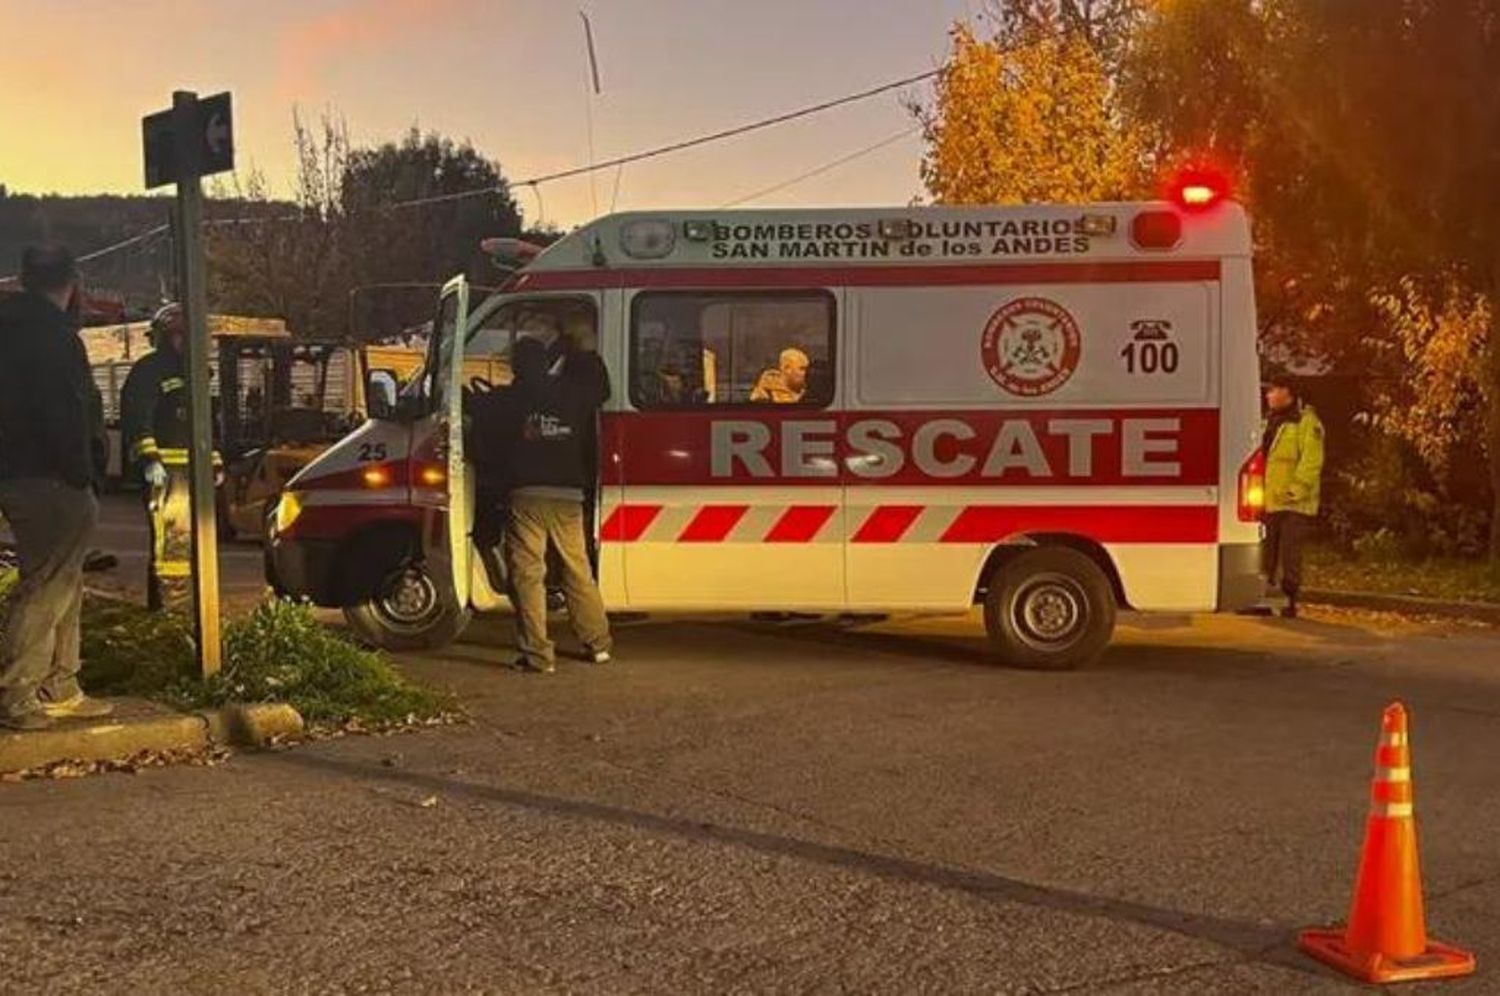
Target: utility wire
{"type": "Point", "coordinates": [820, 170]}
{"type": "Point", "coordinates": [690, 143]}
{"type": "Point", "coordinates": [620, 161]}
{"type": "Point", "coordinates": [731, 132]}
{"type": "Point", "coordinates": [126, 244]}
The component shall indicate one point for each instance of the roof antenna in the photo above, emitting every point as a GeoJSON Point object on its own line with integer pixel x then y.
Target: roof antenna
{"type": "Point", "coordinates": [588, 105]}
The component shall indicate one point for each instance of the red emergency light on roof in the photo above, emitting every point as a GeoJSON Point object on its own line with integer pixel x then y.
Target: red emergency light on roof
{"type": "Point", "coordinates": [1198, 189]}
{"type": "Point", "coordinates": [510, 252]}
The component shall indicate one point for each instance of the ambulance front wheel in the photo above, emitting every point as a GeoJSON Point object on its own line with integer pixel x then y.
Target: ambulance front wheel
{"type": "Point", "coordinates": [407, 611]}
{"type": "Point", "coordinates": [1050, 608]}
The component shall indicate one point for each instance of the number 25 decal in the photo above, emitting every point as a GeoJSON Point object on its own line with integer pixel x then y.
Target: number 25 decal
{"type": "Point", "coordinates": [371, 451]}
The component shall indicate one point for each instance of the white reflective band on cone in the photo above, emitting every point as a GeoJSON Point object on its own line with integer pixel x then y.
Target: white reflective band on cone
{"type": "Point", "coordinates": [1393, 774]}
{"type": "Point", "coordinates": [1390, 810]}
{"type": "Point", "coordinates": [1393, 740]}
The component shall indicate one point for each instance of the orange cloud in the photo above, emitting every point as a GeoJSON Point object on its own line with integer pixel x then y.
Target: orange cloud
{"type": "Point", "coordinates": [357, 27]}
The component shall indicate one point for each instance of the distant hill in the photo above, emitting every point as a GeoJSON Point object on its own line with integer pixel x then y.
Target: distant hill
{"type": "Point", "coordinates": [141, 272]}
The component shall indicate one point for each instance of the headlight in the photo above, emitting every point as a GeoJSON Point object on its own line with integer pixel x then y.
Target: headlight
{"type": "Point", "coordinates": [288, 510]}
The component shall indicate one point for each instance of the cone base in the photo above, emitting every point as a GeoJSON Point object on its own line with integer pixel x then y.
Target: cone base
{"type": "Point", "coordinates": [1439, 961]}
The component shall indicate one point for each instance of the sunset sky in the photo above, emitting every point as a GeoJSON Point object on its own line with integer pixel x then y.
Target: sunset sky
{"type": "Point", "coordinates": [508, 74]}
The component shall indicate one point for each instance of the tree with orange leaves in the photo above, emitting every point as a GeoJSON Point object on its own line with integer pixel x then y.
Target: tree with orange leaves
{"type": "Point", "coordinates": [1029, 114]}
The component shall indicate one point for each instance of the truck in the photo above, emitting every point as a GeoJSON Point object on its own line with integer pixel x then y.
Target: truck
{"type": "Point", "coordinates": [1048, 412]}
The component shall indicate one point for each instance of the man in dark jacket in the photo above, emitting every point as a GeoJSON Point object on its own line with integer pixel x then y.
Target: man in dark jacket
{"type": "Point", "coordinates": [544, 427]}
{"type": "Point", "coordinates": [46, 469]}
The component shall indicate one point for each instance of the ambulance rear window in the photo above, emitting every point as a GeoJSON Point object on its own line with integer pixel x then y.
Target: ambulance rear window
{"type": "Point", "coordinates": [701, 350]}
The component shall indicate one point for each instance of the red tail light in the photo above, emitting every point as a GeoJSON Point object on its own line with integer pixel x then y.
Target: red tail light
{"type": "Point", "coordinates": [1156, 230]}
{"type": "Point", "coordinates": [1252, 488]}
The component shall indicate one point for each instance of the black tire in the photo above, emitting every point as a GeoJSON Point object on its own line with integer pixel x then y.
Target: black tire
{"type": "Point", "coordinates": [1050, 608]}
{"type": "Point", "coordinates": [407, 611]}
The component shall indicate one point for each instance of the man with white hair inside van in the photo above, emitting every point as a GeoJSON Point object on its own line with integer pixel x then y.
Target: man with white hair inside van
{"type": "Point", "coordinates": [785, 383]}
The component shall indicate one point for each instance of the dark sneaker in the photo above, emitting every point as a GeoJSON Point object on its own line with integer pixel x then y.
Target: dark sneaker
{"type": "Point", "coordinates": [98, 560]}
{"type": "Point", "coordinates": [1289, 612]}
{"type": "Point", "coordinates": [79, 706]}
{"type": "Point", "coordinates": [34, 719]}
{"type": "Point", "coordinates": [600, 657]}
{"type": "Point", "coordinates": [536, 667]}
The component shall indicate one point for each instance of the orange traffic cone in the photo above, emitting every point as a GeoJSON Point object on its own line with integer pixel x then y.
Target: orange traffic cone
{"type": "Point", "coordinates": [1386, 938]}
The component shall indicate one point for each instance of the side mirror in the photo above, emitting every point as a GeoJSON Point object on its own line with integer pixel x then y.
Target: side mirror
{"type": "Point", "coordinates": [380, 393]}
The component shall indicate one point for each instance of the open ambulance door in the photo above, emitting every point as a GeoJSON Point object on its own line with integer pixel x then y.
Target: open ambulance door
{"type": "Point", "coordinates": [446, 541]}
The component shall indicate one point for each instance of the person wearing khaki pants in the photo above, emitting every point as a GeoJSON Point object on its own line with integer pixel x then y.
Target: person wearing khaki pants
{"type": "Point", "coordinates": [537, 521]}
{"type": "Point", "coordinates": [542, 425]}
{"type": "Point", "coordinates": [46, 473]}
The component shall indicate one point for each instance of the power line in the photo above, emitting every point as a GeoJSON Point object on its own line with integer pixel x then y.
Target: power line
{"type": "Point", "coordinates": [620, 161]}
{"type": "Point", "coordinates": [820, 170]}
{"type": "Point", "coordinates": [732, 132]}
{"type": "Point", "coordinates": [126, 244]}
{"type": "Point", "coordinates": [683, 145]}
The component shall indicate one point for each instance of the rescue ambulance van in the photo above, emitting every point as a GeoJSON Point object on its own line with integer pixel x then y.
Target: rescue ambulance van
{"type": "Point", "coordinates": [1047, 411]}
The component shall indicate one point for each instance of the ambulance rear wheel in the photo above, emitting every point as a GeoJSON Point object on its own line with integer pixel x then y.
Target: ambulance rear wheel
{"type": "Point", "coordinates": [407, 611]}
{"type": "Point", "coordinates": [1050, 608]}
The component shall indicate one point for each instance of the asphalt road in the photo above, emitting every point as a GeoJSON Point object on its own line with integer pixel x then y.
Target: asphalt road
{"type": "Point", "coordinates": [737, 807]}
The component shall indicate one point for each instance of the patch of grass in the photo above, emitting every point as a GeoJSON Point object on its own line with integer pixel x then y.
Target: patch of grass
{"type": "Point", "coordinates": [1445, 578]}
{"type": "Point", "coordinates": [278, 653]}
{"type": "Point", "coordinates": [129, 651]}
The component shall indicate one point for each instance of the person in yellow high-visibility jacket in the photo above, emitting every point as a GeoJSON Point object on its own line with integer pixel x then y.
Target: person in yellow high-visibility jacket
{"type": "Point", "coordinates": [1293, 445]}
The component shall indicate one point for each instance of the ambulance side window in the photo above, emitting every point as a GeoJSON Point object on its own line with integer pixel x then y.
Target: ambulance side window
{"type": "Point", "coordinates": [710, 350]}
{"type": "Point", "coordinates": [487, 353]}
{"type": "Point", "coordinates": [440, 354]}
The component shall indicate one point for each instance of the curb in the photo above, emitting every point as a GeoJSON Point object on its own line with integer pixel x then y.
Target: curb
{"type": "Point", "coordinates": [144, 726]}
{"type": "Point", "coordinates": [1485, 612]}
{"type": "Point", "coordinates": [253, 725]}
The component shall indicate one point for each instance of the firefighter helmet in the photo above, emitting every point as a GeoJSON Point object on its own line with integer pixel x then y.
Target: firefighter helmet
{"type": "Point", "coordinates": [168, 320]}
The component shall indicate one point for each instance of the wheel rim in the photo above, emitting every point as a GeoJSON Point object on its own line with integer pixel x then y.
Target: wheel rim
{"type": "Point", "coordinates": [408, 600]}
{"type": "Point", "coordinates": [1050, 612]}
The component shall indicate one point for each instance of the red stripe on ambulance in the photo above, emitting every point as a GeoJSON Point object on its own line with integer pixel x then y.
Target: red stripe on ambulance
{"type": "Point", "coordinates": [800, 524]}
{"type": "Point", "coordinates": [954, 275]}
{"type": "Point", "coordinates": [887, 524]}
{"type": "Point", "coordinates": [892, 524]}
{"type": "Point", "coordinates": [1114, 447]}
{"type": "Point", "coordinates": [713, 523]}
{"type": "Point", "coordinates": [628, 523]}
{"type": "Point", "coordinates": [1104, 523]}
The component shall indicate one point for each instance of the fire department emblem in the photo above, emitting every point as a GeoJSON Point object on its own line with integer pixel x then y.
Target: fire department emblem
{"type": "Point", "coordinates": [1031, 346]}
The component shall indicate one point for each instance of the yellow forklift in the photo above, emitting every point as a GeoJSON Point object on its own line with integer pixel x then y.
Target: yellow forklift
{"type": "Point", "coordinates": [282, 402]}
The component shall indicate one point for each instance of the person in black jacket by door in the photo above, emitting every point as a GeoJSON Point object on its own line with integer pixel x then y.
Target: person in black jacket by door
{"type": "Point", "coordinates": [544, 427]}
{"type": "Point", "coordinates": [46, 477]}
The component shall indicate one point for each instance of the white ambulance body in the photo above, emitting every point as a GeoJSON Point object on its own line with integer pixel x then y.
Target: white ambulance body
{"type": "Point", "coordinates": [1047, 410]}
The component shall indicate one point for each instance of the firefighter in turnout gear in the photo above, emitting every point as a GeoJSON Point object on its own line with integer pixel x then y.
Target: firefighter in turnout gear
{"type": "Point", "coordinates": [156, 433]}
{"type": "Point", "coordinates": [1292, 442]}
{"type": "Point", "coordinates": [154, 414]}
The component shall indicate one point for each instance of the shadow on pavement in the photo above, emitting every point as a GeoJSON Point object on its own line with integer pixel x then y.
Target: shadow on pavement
{"type": "Point", "coordinates": [1266, 944]}
{"type": "Point", "coordinates": [973, 651]}
{"type": "Point", "coordinates": [1337, 634]}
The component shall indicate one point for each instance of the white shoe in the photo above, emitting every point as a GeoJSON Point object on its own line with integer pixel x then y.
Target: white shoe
{"type": "Point", "coordinates": [79, 706]}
